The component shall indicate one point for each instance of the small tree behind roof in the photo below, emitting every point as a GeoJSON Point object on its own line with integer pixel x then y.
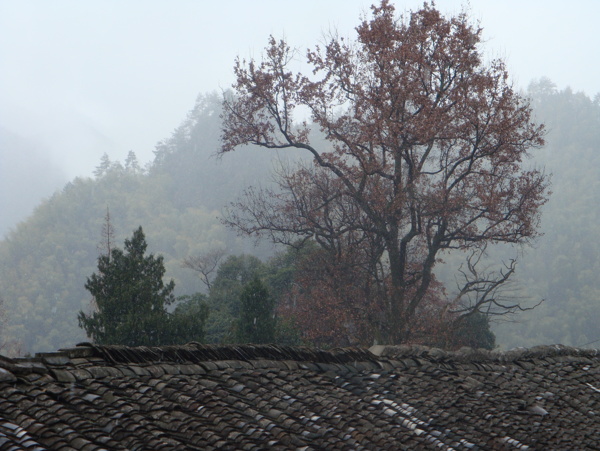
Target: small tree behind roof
{"type": "Point", "coordinates": [130, 296]}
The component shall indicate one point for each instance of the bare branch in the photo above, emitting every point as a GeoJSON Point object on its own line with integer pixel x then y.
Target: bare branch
{"type": "Point", "coordinates": [205, 264]}
{"type": "Point", "coordinates": [486, 291]}
{"type": "Point", "coordinates": [424, 153]}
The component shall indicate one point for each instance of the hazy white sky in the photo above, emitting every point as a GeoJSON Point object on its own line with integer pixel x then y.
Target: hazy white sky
{"type": "Point", "coordinates": [80, 78]}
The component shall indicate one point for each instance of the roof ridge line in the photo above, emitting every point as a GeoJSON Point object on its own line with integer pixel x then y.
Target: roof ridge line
{"type": "Point", "coordinates": [196, 352]}
{"type": "Point", "coordinates": [467, 354]}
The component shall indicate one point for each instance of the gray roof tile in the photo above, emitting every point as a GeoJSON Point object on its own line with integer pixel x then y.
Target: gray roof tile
{"type": "Point", "coordinates": [260, 397]}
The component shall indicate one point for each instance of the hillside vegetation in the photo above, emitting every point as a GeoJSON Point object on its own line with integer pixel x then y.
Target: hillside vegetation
{"type": "Point", "coordinates": [46, 259]}
{"type": "Point", "coordinates": [563, 266]}
{"type": "Point", "coordinates": [178, 198]}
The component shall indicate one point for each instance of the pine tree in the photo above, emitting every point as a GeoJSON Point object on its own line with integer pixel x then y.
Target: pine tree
{"type": "Point", "coordinates": [188, 320]}
{"type": "Point", "coordinates": [257, 316]}
{"type": "Point", "coordinates": [103, 167]}
{"type": "Point", "coordinates": [108, 235]}
{"type": "Point", "coordinates": [130, 296]}
{"type": "Point", "coordinates": [131, 163]}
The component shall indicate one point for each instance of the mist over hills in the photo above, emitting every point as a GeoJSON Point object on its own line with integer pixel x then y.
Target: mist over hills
{"type": "Point", "coordinates": [178, 198]}
{"type": "Point", "coordinates": [562, 267]}
{"type": "Point", "coordinates": [45, 260]}
{"type": "Point", "coordinates": [27, 174]}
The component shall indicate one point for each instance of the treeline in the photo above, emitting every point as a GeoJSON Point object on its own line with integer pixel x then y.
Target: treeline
{"type": "Point", "coordinates": [178, 198]}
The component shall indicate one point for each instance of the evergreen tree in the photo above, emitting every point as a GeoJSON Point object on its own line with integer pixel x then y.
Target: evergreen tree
{"type": "Point", "coordinates": [104, 166]}
{"type": "Point", "coordinates": [256, 323]}
{"type": "Point", "coordinates": [130, 296]}
{"type": "Point", "coordinates": [188, 321]}
{"type": "Point", "coordinates": [131, 163]}
{"type": "Point", "coordinates": [224, 295]}
{"type": "Point", "coordinates": [474, 331]}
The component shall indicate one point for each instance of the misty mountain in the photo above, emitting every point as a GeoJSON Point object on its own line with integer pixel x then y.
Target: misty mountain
{"type": "Point", "coordinates": [27, 174]}
{"type": "Point", "coordinates": [563, 266]}
{"type": "Point", "coordinates": [45, 260]}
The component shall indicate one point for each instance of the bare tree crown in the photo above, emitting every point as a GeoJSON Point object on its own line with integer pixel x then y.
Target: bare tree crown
{"type": "Point", "coordinates": [426, 150]}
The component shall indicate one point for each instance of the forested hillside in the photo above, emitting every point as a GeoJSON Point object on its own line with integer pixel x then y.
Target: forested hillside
{"type": "Point", "coordinates": [44, 261]}
{"type": "Point", "coordinates": [563, 266]}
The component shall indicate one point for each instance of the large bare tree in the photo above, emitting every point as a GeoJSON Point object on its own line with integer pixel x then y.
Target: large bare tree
{"type": "Point", "coordinates": [425, 154]}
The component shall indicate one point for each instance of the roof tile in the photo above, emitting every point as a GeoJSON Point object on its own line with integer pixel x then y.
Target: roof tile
{"type": "Point", "coordinates": [245, 397]}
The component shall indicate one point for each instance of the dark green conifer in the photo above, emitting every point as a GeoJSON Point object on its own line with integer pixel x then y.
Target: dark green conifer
{"type": "Point", "coordinates": [257, 322]}
{"type": "Point", "coordinates": [130, 296]}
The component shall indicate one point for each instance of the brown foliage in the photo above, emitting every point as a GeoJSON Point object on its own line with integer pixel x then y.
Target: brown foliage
{"type": "Point", "coordinates": [425, 155]}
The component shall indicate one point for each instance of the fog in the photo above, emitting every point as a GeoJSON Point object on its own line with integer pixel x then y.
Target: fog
{"type": "Point", "coordinates": [80, 79]}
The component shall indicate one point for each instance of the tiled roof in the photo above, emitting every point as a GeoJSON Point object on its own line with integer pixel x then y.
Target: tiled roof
{"type": "Point", "coordinates": [270, 397]}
